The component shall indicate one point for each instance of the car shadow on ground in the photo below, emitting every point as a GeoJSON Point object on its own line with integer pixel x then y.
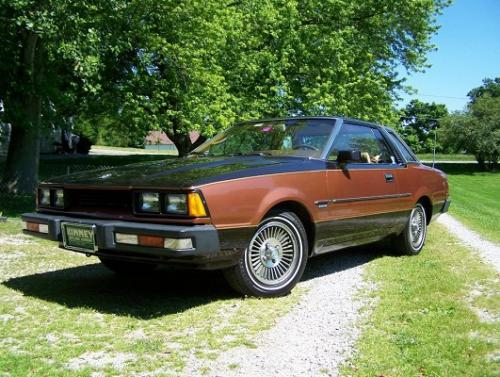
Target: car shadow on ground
{"type": "Point", "coordinates": [165, 291]}
{"type": "Point", "coordinates": [345, 259]}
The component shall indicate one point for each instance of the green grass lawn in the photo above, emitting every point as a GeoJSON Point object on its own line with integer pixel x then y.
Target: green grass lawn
{"type": "Point", "coordinates": [446, 157]}
{"type": "Point", "coordinates": [51, 166]}
{"type": "Point", "coordinates": [103, 149]}
{"type": "Point", "coordinates": [476, 199]}
{"type": "Point", "coordinates": [436, 314]}
{"type": "Point", "coordinates": [62, 314]}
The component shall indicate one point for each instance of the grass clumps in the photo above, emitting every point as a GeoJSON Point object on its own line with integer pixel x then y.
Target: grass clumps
{"type": "Point", "coordinates": [426, 321]}
{"type": "Point", "coordinates": [62, 314]}
{"type": "Point", "coordinates": [476, 201]}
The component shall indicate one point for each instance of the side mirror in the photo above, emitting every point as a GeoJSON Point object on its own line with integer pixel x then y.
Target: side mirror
{"type": "Point", "coordinates": [348, 156]}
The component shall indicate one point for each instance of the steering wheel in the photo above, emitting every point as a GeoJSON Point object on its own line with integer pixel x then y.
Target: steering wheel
{"type": "Point", "coordinates": [306, 146]}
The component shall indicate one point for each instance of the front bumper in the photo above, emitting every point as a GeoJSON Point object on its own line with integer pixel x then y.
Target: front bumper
{"type": "Point", "coordinates": [446, 205]}
{"type": "Point", "coordinates": [205, 253]}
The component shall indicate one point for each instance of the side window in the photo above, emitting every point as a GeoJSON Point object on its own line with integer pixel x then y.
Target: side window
{"type": "Point", "coordinates": [403, 148]}
{"type": "Point", "coordinates": [367, 140]}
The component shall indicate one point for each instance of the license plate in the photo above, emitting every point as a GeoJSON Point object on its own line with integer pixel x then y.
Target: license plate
{"type": "Point", "coordinates": [79, 237]}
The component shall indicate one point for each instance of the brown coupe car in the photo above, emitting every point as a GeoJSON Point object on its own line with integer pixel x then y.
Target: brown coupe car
{"type": "Point", "coordinates": [257, 201]}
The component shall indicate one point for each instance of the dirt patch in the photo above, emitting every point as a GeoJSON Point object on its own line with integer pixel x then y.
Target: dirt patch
{"type": "Point", "coordinates": [100, 360]}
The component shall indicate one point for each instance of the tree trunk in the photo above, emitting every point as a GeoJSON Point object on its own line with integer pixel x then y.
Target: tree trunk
{"type": "Point", "coordinates": [494, 161]}
{"type": "Point", "coordinates": [481, 161]}
{"type": "Point", "coordinates": [182, 141]}
{"type": "Point", "coordinates": [21, 167]}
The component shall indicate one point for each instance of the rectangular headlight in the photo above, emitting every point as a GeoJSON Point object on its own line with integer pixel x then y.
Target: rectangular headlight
{"type": "Point", "coordinates": [148, 202]}
{"type": "Point", "coordinates": [44, 197]}
{"type": "Point", "coordinates": [59, 198]}
{"type": "Point", "coordinates": [176, 203]}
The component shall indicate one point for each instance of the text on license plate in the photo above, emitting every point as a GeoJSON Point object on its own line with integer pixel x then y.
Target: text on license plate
{"type": "Point", "coordinates": [79, 237]}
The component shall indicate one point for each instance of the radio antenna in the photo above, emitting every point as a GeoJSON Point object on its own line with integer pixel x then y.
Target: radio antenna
{"type": "Point", "coordinates": [434, 147]}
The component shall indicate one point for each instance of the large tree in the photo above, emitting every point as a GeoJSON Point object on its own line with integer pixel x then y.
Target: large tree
{"type": "Point", "coordinates": [205, 64]}
{"type": "Point", "coordinates": [477, 130]}
{"type": "Point", "coordinates": [53, 55]}
{"type": "Point", "coordinates": [419, 122]}
{"type": "Point", "coordinates": [490, 87]}
{"type": "Point", "coordinates": [199, 65]}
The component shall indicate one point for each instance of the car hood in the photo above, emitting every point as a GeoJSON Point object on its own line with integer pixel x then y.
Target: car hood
{"type": "Point", "coordinates": [184, 172]}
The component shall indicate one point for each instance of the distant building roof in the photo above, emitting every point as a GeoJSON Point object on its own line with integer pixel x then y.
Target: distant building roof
{"type": "Point", "coordinates": [161, 138]}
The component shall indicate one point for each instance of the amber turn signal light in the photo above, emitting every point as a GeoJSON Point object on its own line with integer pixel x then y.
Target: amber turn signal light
{"type": "Point", "coordinates": [36, 227]}
{"type": "Point", "coordinates": [151, 241]}
{"type": "Point", "coordinates": [195, 205]}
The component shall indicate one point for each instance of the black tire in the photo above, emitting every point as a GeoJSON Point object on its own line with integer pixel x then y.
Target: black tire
{"type": "Point", "coordinates": [412, 239]}
{"type": "Point", "coordinates": [274, 260]}
{"type": "Point", "coordinates": [127, 267]}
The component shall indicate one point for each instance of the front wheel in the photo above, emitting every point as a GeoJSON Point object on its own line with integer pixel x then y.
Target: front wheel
{"type": "Point", "coordinates": [274, 260]}
{"type": "Point", "coordinates": [412, 239]}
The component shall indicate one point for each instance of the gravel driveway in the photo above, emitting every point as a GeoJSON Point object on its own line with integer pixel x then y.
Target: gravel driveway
{"type": "Point", "coordinates": [488, 250]}
{"type": "Point", "coordinates": [320, 332]}
{"type": "Point", "coordinates": [315, 337]}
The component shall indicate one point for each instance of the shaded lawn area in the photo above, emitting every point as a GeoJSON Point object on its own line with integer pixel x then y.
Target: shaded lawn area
{"type": "Point", "coordinates": [52, 166]}
{"type": "Point", "coordinates": [475, 198]}
{"type": "Point", "coordinates": [435, 314]}
{"type": "Point", "coordinates": [60, 310]}
{"type": "Point", "coordinates": [62, 314]}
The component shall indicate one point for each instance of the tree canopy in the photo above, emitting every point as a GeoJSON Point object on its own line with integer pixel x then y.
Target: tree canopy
{"type": "Point", "coordinates": [200, 65]}
{"type": "Point", "coordinates": [490, 87]}
{"type": "Point", "coordinates": [419, 121]}
{"type": "Point", "coordinates": [477, 130]}
{"type": "Point", "coordinates": [55, 55]}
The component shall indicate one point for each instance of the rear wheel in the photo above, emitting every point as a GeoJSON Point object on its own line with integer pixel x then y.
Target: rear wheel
{"type": "Point", "coordinates": [274, 260]}
{"type": "Point", "coordinates": [412, 239]}
{"type": "Point", "coordinates": [127, 267]}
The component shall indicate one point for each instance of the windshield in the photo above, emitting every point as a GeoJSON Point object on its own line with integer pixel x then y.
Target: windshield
{"type": "Point", "coordinates": [293, 137]}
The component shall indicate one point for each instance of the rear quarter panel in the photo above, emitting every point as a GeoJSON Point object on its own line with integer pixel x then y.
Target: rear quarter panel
{"type": "Point", "coordinates": [421, 180]}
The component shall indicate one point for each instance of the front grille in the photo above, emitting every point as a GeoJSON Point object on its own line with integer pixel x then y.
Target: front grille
{"type": "Point", "coordinates": [99, 199]}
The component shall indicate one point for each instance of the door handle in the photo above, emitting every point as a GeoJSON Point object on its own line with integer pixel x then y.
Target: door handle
{"type": "Point", "coordinates": [389, 177]}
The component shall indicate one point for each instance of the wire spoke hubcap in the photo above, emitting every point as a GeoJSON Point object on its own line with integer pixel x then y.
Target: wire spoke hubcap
{"type": "Point", "coordinates": [272, 253]}
{"type": "Point", "coordinates": [417, 227]}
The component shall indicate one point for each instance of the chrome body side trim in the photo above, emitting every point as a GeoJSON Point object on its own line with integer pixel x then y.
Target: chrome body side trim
{"type": "Point", "coordinates": [325, 203]}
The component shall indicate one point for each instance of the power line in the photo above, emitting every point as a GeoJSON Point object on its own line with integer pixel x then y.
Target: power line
{"type": "Point", "coordinates": [436, 96]}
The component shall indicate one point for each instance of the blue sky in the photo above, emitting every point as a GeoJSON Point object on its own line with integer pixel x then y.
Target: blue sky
{"type": "Point", "coordinates": [468, 50]}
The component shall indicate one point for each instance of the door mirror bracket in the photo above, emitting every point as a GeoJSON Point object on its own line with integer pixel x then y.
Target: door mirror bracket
{"type": "Point", "coordinates": [347, 156]}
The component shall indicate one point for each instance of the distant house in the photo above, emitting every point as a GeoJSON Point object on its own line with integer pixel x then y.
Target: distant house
{"type": "Point", "coordinates": [158, 140]}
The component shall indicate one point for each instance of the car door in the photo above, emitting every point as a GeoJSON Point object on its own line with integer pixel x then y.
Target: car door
{"type": "Point", "coordinates": [363, 194]}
